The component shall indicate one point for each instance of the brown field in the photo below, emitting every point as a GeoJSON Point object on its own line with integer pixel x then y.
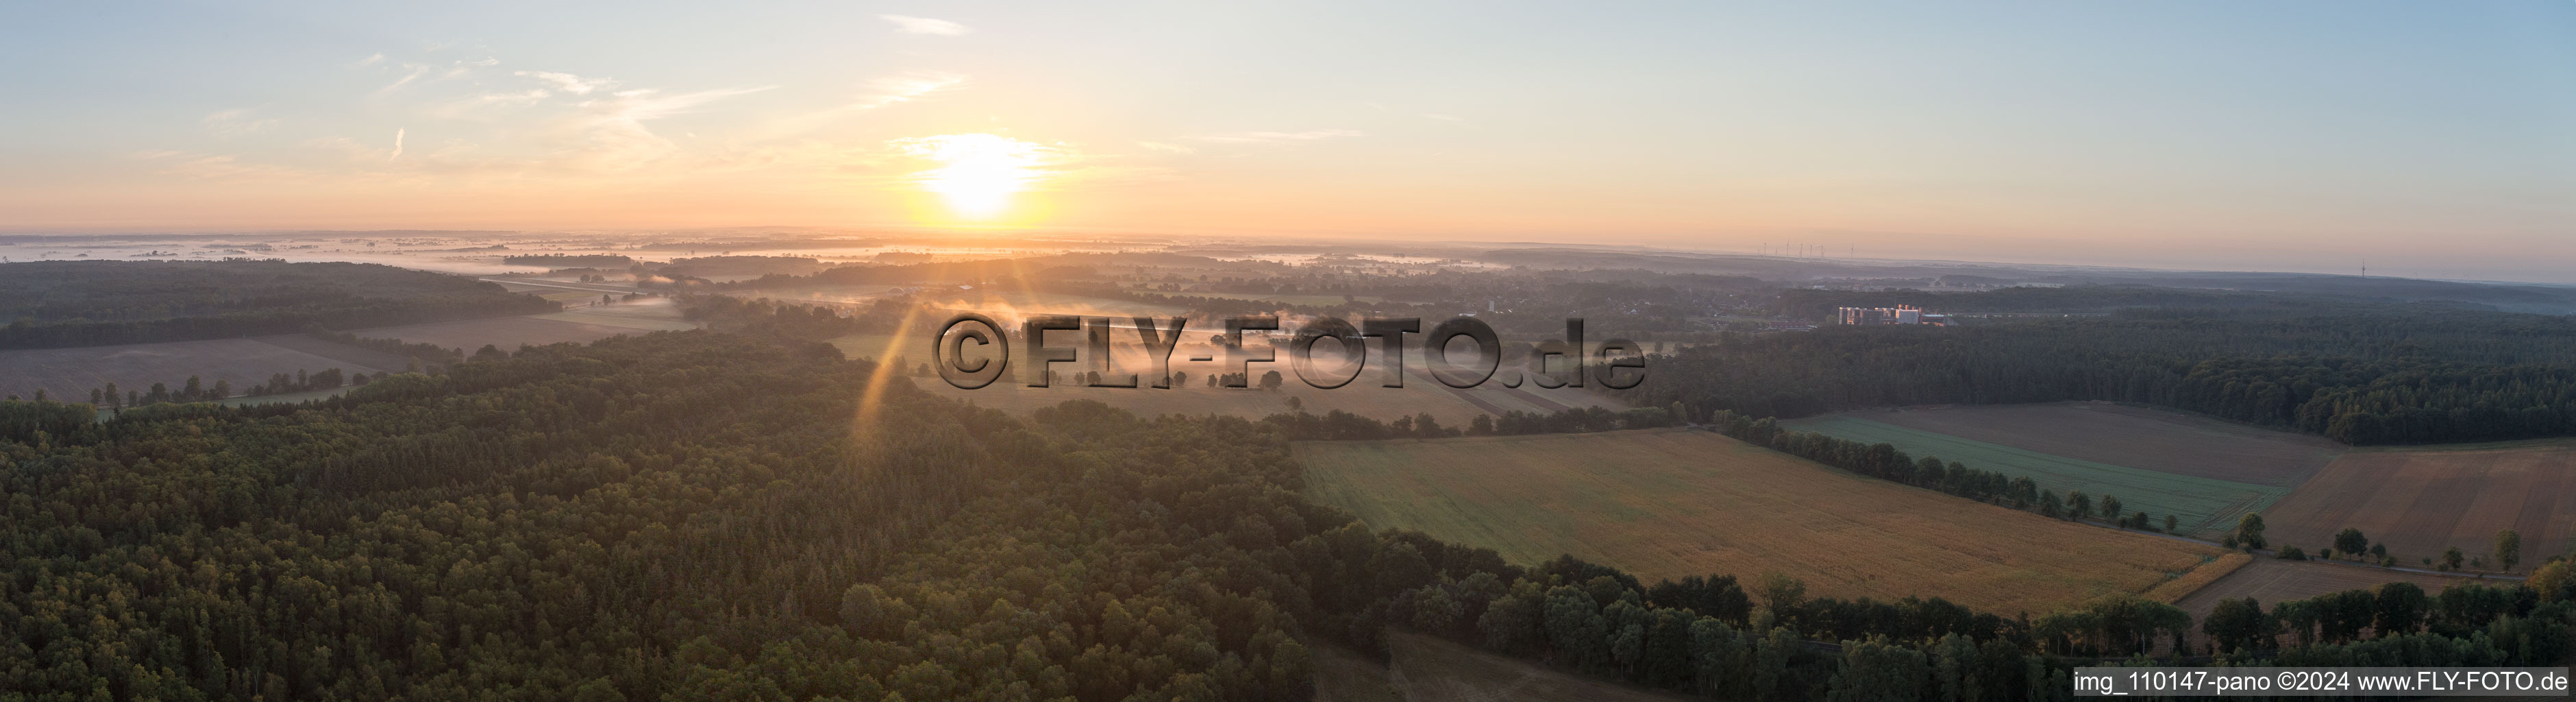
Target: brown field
{"type": "Point", "coordinates": [2271, 581]}
{"type": "Point", "coordinates": [2420, 501]}
{"type": "Point", "coordinates": [2178, 588]}
{"type": "Point", "coordinates": [1431, 669]}
{"type": "Point", "coordinates": [2138, 437]}
{"type": "Point", "coordinates": [68, 374]}
{"type": "Point", "coordinates": [1671, 503]}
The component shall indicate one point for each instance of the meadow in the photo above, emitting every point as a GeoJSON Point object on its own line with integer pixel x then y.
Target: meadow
{"type": "Point", "coordinates": [2202, 505]}
{"type": "Point", "coordinates": [2165, 441]}
{"type": "Point", "coordinates": [2422, 500]}
{"type": "Point", "coordinates": [1672, 503]}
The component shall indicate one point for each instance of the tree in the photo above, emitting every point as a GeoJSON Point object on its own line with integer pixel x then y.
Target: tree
{"type": "Point", "coordinates": [2238, 624]}
{"type": "Point", "coordinates": [2350, 542]}
{"type": "Point", "coordinates": [2078, 504]}
{"type": "Point", "coordinates": [2554, 580]}
{"type": "Point", "coordinates": [2451, 558]}
{"type": "Point", "coordinates": [1782, 593]}
{"type": "Point", "coordinates": [2249, 531]}
{"type": "Point", "coordinates": [2508, 549]}
{"type": "Point", "coordinates": [2172, 525]}
{"type": "Point", "coordinates": [1876, 671]}
{"type": "Point", "coordinates": [2399, 607]}
{"type": "Point", "coordinates": [2110, 507]}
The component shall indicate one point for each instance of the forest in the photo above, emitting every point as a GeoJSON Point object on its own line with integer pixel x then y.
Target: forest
{"type": "Point", "coordinates": [709, 515]}
{"type": "Point", "coordinates": [2357, 373]}
{"type": "Point", "coordinates": [96, 303]}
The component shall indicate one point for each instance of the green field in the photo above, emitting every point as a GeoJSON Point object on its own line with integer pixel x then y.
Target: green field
{"type": "Point", "coordinates": [2202, 504]}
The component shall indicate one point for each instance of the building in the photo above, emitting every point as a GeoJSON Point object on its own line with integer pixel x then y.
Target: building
{"type": "Point", "coordinates": [1900, 314]}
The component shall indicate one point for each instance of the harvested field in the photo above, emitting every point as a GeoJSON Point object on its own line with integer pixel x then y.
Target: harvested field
{"type": "Point", "coordinates": [1671, 503]}
{"type": "Point", "coordinates": [2178, 588]}
{"type": "Point", "coordinates": [2203, 505]}
{"type": "Point", "coordinates": [2138, 437]}
{"type": "Point", "coordinates": [2271, 581]}
{"type": "Point", "coordinates": [2420, 501]}
{"type": "Point", "coordinates": [69, 374]}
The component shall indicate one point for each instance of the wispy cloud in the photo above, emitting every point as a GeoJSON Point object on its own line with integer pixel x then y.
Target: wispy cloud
{"type": "Point", "coordinates": [398, 137]}
{"type": "Point", "coordinates": [1166, 148]}
{"type": "Point", "coordinates": [236, 122]}
{"type": "Point", "coordinates": [924, 25]}
{"type": "Point", "coordinates": [611, 133]}
{"type": "Point", "coordinates": [907, 87]}
{"type": "Point", "coordinates": [1442, 117]}
{"type": "Point", "coordinates": [1276, 137]}
{"type": "Point", "coordinates": [413, 71]}
{"type": "Point", "coordinates": [569, 83]}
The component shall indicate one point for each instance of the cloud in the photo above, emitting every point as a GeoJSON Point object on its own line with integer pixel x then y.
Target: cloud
{"type": "Point", "coordinates": [1276, 137]}
{"type": "Point", "coordinates": [417, 70]}
{"type": "Point", "coordinates": [1166, 148]}
{"type": "Point", "coordinates": [235, 122]}
{"type": "Point", "coordinates": [569, 83]}
{"type": "Point", "coordinates": [371, 60]}
{"type": "Point", "coordinates": [904, 88]}
{"type": "Point", "coordinates": [609, 133]}
{"type": "Point", "coordinates": [1442, 117]}
{"type": "Point", "coordinates": [924, 25]}
{"type": "Point", "coordinates": [398, 136]}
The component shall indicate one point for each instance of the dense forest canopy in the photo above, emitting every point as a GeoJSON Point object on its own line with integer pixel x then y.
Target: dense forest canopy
{"type": "Point", "coordinates": [91, 303]}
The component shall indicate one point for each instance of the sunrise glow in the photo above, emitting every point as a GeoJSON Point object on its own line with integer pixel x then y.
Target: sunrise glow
{"type": "Point", "coordinates": [978, 174]}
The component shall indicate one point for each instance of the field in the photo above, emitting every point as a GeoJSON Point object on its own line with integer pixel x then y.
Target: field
{"type": "Point", "coordinates": [2421, 500]}
{"type": "Point", "coordinates": [1364, 396]}
{"type": "Point", "coordinates": [577, 324]}
{"type": "Point", "coordinates": [68, 374]}
{"type": "Point", "coordinates": [2137, 437]}
{"type": "Point", "coordinates": [1671, 503]}
{"type": "Point", "coordinates": [2272, 581]}
{"type": "Point", "coordinates": [1431, 669]}
{"type": "Point", "coordinates": [2170, 471]}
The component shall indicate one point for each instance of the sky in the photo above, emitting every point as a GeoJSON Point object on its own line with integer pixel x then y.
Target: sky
{"type": "Point", "coordinates": [2419, 139]}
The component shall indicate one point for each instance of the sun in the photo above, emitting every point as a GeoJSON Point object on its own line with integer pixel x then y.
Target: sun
{"type": "Point", "coordinates": [978, 173]}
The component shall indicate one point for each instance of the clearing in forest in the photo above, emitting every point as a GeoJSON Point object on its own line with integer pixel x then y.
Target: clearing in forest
{"type": "Point", "coordinates": [1671, 503]}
